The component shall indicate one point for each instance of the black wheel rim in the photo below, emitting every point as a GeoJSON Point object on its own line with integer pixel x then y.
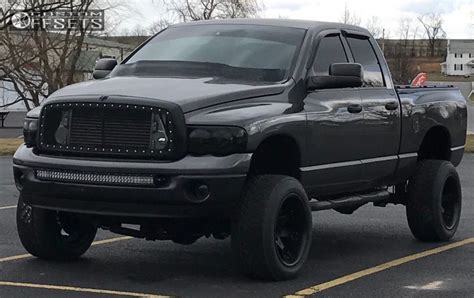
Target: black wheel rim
{"type": "Point", "coordinates": [450, 204]}
{"type": "Point", "coordinates": [291, 231]}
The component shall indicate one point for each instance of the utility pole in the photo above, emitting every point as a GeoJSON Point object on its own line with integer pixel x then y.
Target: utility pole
{"type": "Point", "coordinates": [3, 93]}
{"type": "Point", "coordinates": [383, 41]}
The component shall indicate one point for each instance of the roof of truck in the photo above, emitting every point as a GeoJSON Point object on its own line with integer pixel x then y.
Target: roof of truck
{"type": "Point", "coordinates": [302, 24]}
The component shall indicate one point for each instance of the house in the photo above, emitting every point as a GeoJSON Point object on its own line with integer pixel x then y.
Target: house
{"type": "Point", "coordinates": [459, 58]}
{"type": "Point", "coordinates": [92, 49]}
{"type": "Point", "coordinates": [96, 48]}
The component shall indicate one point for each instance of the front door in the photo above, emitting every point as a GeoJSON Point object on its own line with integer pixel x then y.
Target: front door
{"type": "Point", "coordinates": [335, 120]}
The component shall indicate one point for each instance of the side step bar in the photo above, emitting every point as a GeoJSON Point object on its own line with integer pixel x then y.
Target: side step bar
{"type": "Point", "coordinates": [351, 201]}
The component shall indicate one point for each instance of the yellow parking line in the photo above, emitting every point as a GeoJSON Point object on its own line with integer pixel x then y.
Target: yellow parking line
{"type": "Point", "coordinates": [100, 242]}
{"type": "Point", "coordinates": [345, 279]}
{"type": "Point", "coordinates": [111, 240]}
{"type": "Point", "coordinates": [13, 258]}
{"type": "Point", "coordinates": [77, 289]}
{"type": "Point", "coordinates": [7, 207]}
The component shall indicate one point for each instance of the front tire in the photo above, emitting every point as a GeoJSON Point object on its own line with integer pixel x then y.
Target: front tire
{"type": "Point", "coordinates": [53, 235]}
{"type": "Point", "coordinates": [434, 201]}
{"type": "Point", "coordinates": [271, 233]}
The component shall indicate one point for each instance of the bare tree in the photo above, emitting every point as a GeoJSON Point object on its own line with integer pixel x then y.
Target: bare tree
{"type": "Point", "coordinates": [349, 17]}
{"type": "Point", "coordinates": [139, 31]}
{"type": "Point", "coordinates": [404, 28]}
{"type": "Point", "coordinates": [34, 62]}
{"type": "Point", "coordinates": [374, 26]}
{"type": "Point", "coordinates": [401, 64]}
{"type": "Point", "coordinates": [194, 10]}
{"type": "Point", "coordinates": [433, 25]}
{"type": "Point", "coordinates": [159, 25]}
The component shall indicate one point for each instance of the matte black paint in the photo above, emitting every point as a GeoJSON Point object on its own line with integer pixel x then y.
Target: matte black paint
{"type": "Point", "coordinates": [342, 150]}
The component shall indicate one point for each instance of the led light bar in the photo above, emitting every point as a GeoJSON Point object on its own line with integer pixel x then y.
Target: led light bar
{"type": "Point", "coordinates": [94, 178]}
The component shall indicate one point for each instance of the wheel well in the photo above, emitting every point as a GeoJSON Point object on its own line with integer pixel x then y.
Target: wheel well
{"type": "Point", "coordinates": [436, 144]}
{"type": "Point", "coordinates": [276, 155]}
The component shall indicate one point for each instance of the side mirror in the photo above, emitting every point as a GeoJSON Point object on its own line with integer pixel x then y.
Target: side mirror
{"type": "Point", "coordinates": [341, 75]}
{"type": "Point", "coordinates": [103, 67]}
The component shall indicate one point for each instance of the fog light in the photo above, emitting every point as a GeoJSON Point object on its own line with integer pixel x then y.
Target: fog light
{"type": "Point", "coordinates": [19, 178]}
{"type": "Point", "coordinates": [201, 192]}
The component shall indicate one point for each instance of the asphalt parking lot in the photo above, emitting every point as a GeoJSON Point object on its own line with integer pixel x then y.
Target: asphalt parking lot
{"type": "Point", "coordinates": [470, 117]}
{"type": "Point", "coordinates": [344, 260]}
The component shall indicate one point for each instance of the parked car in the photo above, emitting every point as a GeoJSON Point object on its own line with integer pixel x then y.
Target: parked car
{"type": "Point", "coordinates": [238, 128]}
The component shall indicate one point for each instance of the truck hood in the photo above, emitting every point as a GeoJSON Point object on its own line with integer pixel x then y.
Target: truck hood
{"type": "Point", "coordinates": [189, 93]}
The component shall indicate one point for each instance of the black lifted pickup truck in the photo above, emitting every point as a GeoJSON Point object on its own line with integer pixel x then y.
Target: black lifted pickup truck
{"type": "Point", "coordinates": [241, 128]}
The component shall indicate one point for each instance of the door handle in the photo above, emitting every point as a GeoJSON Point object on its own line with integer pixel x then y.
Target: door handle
{"type": "Point", "coordinates": [354, 108]}
{"type": "Point", "coordinates": [393, 105]}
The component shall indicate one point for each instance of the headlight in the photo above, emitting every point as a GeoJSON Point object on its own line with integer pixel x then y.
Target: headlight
{"type": "Point", "coordinates": [30, 130]}
{"type": "Point", "coordinates": [216, 140]}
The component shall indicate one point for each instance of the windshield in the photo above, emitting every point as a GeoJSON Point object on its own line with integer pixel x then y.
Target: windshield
{"type": "Point", "coordinates": [250, 52]}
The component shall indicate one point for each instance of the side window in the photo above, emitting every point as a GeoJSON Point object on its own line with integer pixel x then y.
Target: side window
{"type": "Point", "coordinates": [364, 54]}
{"type": "Point", "coordinates": [330, 51]}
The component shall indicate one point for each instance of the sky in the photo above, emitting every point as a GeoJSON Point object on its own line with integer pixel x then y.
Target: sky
{"type": "Point", "coordinates": [458, 15]}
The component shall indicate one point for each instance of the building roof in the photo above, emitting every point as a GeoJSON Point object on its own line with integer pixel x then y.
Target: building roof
{"type": "Point", "coordinates": [86, 61]}
{"type": "Point", "coordinates": [302, 24]}
{"type": "Point", "coordinates": [107, 43]}
{"type": "Point", "coordinates": [134, 40]}
{"type": "Point", "coordinates": [461, 45]}
{"type": "Point", "coordinates": [87, 39]}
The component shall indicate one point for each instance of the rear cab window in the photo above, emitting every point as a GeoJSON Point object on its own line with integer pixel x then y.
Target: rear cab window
{"type": "Point", "coordinates": [364, 53]}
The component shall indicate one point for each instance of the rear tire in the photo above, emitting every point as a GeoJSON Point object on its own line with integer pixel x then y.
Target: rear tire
{"type": "Point", "coordinates": [434, 201]}
{"type": "Point", "coordinates": [271, 233]}
{"type": "Point", "coordinates": [53, 235]}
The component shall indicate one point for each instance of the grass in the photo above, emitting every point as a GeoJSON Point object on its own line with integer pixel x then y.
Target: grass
{"type": "Point", "coordinates": [442, 78]}
{"type": "Point", "coordinates": [470, 144]}
{"type": "Point", "coordinates": [9, 146]}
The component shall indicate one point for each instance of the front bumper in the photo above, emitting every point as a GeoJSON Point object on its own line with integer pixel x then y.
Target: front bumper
{"type": "Point", "coordinates": [223, 176]}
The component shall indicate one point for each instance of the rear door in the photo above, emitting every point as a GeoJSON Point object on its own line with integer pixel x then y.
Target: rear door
{"type": "Point", "coordinates": [382, 118]}
{"type": "Point", "coordinates": [335, 129]}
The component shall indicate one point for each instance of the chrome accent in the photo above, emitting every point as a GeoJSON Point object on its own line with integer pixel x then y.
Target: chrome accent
{"type": "Point", "coordinates": [458, 148]}
{"type": "Point", "coordinates": [357, 162]}
{"type": "Point", "coordinates": [379, 159]}
{"type": "Point", "coordinates": [408, 155]}
{"type": "Point", "coordinates": [331, 165]}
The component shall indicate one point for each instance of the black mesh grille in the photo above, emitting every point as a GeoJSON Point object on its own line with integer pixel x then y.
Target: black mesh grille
{"type": "Point", "coordinates": [109, 128]}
